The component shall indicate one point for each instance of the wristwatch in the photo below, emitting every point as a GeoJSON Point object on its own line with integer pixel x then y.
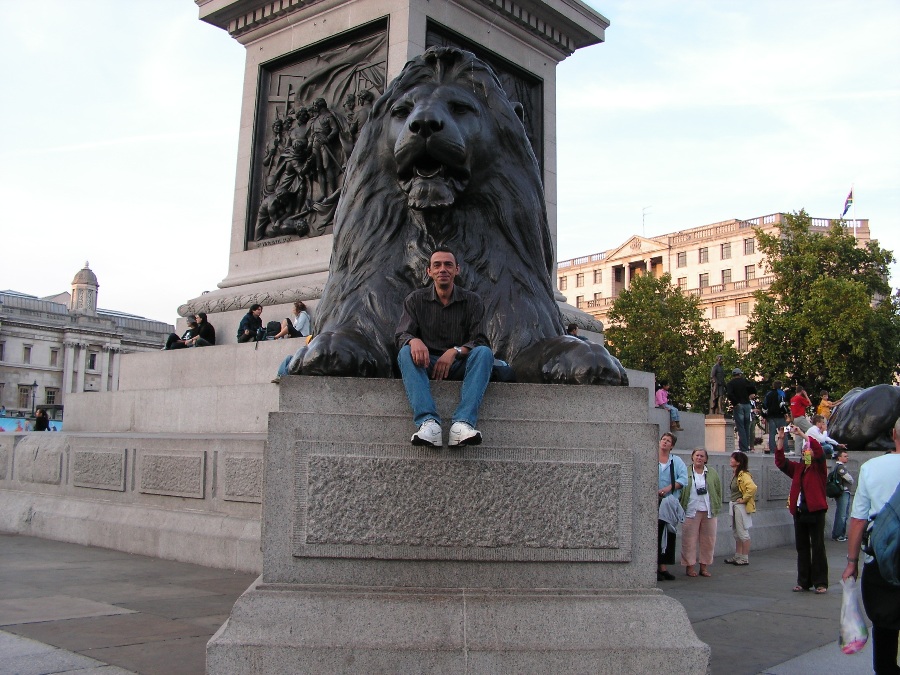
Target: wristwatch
{"type": "Point", "coordinates": [458, 351]}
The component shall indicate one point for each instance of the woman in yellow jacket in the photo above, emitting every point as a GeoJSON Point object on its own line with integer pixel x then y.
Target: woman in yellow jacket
{"type": "Point", "coordinates": [742, 504]}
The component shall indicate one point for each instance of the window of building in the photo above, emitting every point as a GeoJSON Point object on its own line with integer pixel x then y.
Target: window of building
{"type": "Point", "coordinates": [750, 272]}
{"type": "Point", "coordinates": [598, 276]}
{"type": "Point", "coordinates": [726, 251]}
{"type": "Point", "coordinates": [579, 302]}
{"type": "Point", "coordinates": [718, 312]}
{"type": "Point", "coordinates": [704, 280]}
{"type": "Point", "coordinates": [619, 274]}
{"type": "Point", "coordinates": [1, 350]}
{"type": "Point", "coordinates": [51, 396]}
{"type": "Point", "coordinates": [749, 246]}
{"type": "Point", "coordinates": [726, 276]}
{"type": "Point", "coordinates": [25, 396]}
{"type": "Point", "coordinates": [92, 361]}
{"type": "Point", "coordinates": [704, 254]}
{"type": "Point", "coordinates": [682, 283]}
{"type": "Point", "coordinates": [579, 280]}
{"type": "Point", "coordinates": [54, 357]}
{"type": "Point", "coordinates": [743, 340]}
{"type": "Point", "coordinates": [743, 308]}
{"type": "Point", "coordinates": [598, 296]}
{"type": "Point", "coordinates": [563, 283]}
{"type": "Point", "coordinates": [681, 260]}
{"type": "Point", "coordinates": [26, 354]}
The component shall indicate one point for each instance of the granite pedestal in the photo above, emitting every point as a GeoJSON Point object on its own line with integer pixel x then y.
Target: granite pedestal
{"type": "Point", "coordinates": [533, 552]}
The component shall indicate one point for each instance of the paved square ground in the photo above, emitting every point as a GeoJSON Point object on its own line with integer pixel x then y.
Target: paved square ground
{"type": "Point", "coordinates": [66, 608]}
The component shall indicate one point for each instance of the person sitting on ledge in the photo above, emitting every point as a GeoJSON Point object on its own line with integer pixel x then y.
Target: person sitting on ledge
{"type": "Point", "coordinates": [296, 327]}
{"type": "Point", "coordinates": [174, 342]}
{"type": "Point", "coordinates": [248, 330]}
{"type": "Point", "coordinates": [440, 336]}
{"type": "Point", "coordinates": [206, 334]}
{"type": "Point", "coordinates": [662, 401]}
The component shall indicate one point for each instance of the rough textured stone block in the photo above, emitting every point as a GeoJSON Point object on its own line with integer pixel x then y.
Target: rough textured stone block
{"type": "Point", "coordinates": [397, 501]}
{"type": "Point", "coordinates": [37, 463]}
{"type": "Point", "coordinates": [777, 485]}
{"type": "Point", "coordinates": [102, 470]}
{"type": "Point", "coordinates": [242, 478]}
{"type": "Point", "coordinates": [175, 475]}
{"type": "Point", "coordinates": [4, 461]}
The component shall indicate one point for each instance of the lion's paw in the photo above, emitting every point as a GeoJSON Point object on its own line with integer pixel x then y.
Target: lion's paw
{"type": "Point", "coordinates": [341, 354]}
{"type": "Point", "coordinates": [568, 360]}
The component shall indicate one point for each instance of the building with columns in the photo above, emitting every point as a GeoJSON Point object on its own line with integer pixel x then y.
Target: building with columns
{"type": "Point", "coordinates": [720, 263]}
{"type": "Point", "coordinates": [64, 343]}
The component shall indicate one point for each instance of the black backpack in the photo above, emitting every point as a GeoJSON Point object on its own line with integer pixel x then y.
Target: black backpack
{"type": "Point", "coordinates": [273, 328]}
{"type": "Point", "coordinates": [834, 486]}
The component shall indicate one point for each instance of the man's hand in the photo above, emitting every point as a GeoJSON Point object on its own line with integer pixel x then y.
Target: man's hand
{"type": "Point", "coordinates": [442, 367]}
{"type": "Point", "coordinates": [419, 353]}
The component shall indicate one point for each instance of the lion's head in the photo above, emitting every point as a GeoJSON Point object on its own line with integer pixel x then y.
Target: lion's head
{"type": "Point", "coordinates": [443, 160]}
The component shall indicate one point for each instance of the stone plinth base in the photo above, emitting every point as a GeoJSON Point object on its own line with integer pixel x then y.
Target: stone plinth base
{"type": "Point", "coordinates": [719, 434]}
{"type": "Point", "coordinates": [275, 629]}
{"type": "Point", "coordinates": [533, 552]}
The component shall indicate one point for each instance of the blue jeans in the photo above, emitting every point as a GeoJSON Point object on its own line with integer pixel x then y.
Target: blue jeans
{"type": "Point", "coordinates": [841, 512]}
{"type": "Point", "coordinates": [283, 368]}
{"type": "Point", "coordinates": [673, 411]}
{"type": "Point", "coordinates": [743, 424]}
{"type": "Point", "coordinates": [474, 371]}
{"type": "Point", "coordinates": [773, 424]}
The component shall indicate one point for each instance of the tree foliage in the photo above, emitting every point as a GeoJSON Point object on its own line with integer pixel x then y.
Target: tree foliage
{"type": "Point", "coordinates": [828, 320]}
{"type": "Point", "coordinates": [654, 326]}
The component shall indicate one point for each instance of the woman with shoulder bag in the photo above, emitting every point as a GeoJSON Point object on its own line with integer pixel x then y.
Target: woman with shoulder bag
{"type": "Point", "coordinates": [672, 477]}
{"type": "Point", "coordinates": [701, 500]}
{"type": "Point", "coordinates": [742, 504]}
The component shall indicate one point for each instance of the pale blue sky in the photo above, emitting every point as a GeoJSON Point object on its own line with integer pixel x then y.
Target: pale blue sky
{"type": "Point", "coordinates": [119, 128]}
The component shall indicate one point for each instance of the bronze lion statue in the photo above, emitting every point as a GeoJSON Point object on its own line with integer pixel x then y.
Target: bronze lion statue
{"type": "Point", "coordinates": [444, 160]}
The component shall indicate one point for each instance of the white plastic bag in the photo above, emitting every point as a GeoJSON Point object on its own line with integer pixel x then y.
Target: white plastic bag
{"type": "Point", "coordinates": [854, 632]}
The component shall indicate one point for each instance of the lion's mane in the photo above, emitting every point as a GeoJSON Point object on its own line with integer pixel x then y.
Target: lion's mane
{"type": "Point", "coordinates": [497, 227]}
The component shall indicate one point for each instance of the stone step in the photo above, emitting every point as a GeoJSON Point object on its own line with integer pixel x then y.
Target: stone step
{"type": "Point", "coordinates": [497, 431]}
{"type": "Point", "coordinates": [501, 400]}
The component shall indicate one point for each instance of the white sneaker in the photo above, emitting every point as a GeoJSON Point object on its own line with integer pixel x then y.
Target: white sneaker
{"type": "Point", "coordinates": [430, 433]}
{"type": "Point", "coordinates": [462, 433]}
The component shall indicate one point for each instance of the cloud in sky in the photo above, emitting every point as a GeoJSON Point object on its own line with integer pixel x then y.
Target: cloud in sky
{"type": "Point", "coordinates": [119, 130]}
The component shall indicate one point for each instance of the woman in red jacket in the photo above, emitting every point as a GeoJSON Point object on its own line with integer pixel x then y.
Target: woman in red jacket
{"type": "Point", "coordinates": [808, 504]}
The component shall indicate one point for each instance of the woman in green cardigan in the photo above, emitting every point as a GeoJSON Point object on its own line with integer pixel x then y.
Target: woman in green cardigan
{"type": "Point", "coordinates": [701, 500]}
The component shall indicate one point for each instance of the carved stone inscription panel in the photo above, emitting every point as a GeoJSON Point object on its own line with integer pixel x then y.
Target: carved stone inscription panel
{"type": "Point", "coordinates": [398, 502]}
{"type": "Point", "coordinates": [311, 107]}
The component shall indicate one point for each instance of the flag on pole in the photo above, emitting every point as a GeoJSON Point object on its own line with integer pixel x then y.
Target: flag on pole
{"type": "Point", "coordinates": [848, 203]}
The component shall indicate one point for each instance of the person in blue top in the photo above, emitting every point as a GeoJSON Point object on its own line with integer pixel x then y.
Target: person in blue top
{"type": "Point", "coordinates": [665, 487]}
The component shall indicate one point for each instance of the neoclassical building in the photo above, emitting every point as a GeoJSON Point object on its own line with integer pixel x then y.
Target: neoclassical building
{"type": "Point", "coordinates": [720, 263]}
{"type": "Point", "coordinates": [64, 343]}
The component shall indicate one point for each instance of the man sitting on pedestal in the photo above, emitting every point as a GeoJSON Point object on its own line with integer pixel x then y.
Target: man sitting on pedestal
{"type": "Point", "coordinates": [441, 336]}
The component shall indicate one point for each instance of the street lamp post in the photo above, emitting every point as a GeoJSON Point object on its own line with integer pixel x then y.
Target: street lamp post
{"type": "Point", "coordinates": [33, 395]}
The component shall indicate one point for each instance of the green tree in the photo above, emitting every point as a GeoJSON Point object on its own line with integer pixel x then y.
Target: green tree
{"type": "Point", "coordinates": [654, 326]}
{"type": "Point", "coordinates": [828, 320]}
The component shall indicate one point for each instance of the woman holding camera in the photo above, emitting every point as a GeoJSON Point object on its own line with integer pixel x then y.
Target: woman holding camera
{"type": "Point", "coordinates": [701, 500]}
{"type": "Point", "coordinates": [743, 503]}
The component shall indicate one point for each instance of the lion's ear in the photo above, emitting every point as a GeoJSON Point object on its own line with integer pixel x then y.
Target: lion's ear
{"type": "Point", "coordinates": [519, 110]}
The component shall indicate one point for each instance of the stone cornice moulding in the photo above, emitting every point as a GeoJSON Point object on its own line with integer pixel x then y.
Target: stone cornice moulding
{"type": "Point", "coordinates": [564, 25]}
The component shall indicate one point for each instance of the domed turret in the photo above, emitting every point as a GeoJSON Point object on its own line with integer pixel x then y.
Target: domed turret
{"type": "Point", "coordinates": [84, 291]}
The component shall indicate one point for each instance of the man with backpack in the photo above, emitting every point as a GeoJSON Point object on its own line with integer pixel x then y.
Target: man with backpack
{"type": "Point", "coordinates": [878, 499]}
{"type": "Point", "coordinates": [838, 488]}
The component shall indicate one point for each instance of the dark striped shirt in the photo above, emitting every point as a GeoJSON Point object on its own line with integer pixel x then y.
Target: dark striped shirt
{"type": "Point", "coordinates": [459, 324]}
